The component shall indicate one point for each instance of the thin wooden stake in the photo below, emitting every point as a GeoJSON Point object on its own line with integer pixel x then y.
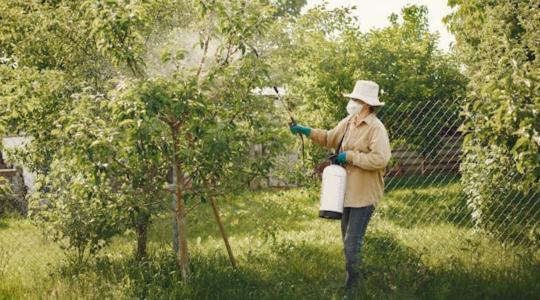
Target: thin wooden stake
{"type": "Point", "coordinates": [223, 234]}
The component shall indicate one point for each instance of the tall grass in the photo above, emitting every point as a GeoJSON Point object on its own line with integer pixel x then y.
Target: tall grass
{"type": "Point", "coordinates": [285, 252]}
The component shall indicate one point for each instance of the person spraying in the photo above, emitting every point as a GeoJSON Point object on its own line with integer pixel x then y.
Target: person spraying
{"type": "Point", "coordinates": [365, 152]}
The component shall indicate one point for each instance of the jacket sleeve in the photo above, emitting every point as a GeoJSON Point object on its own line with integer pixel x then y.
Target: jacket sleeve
{"type": "Point", "coordinates": [379, 152]}
{"type": "Point", "coordinates": [329, 138]}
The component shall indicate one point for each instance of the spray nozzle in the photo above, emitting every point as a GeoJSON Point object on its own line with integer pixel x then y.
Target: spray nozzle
{"type": "Point", "coordinates": [292, 122]}
{"type": "Point", "coordinates": [333, 158]}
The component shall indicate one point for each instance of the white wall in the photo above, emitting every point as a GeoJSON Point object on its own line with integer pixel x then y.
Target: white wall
{"type": "Point", "coordinates": [13, 142]}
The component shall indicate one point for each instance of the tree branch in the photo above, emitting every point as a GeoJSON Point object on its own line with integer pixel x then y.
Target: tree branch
{"type": "Point", "coordinates": [205, 53]}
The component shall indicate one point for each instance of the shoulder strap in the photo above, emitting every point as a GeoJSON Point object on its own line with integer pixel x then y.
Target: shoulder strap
{"type": "Point", "coordinates": [338, 149]}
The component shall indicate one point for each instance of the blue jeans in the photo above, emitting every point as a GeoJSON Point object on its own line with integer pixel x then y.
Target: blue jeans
{"type": "Point", "coordinates": [354, 223]}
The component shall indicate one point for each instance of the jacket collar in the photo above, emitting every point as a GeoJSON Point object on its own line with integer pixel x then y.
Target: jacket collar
{"type": "Point", "coordinates": [367, 119]}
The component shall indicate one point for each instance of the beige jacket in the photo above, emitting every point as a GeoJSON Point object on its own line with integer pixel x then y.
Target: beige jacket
{"type": "Point", "coordinates": [368, 152]}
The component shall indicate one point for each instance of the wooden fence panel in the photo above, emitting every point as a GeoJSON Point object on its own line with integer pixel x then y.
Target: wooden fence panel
{"type": "Point", "coordinates": [447, 158]}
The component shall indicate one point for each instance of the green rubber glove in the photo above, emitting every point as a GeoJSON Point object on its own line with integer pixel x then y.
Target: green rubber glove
{"type": "Point", "coordinates": [341, 158]}
{"type": "Point", "coordinates": [295, 129]}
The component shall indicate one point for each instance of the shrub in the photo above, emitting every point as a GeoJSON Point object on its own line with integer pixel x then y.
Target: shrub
{"type": "Point", "coordinates": [497, 41]}
{"type": "Point", "coordinates": [74, 210]}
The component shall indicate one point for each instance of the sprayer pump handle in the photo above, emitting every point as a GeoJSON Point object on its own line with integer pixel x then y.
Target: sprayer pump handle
{"type": "Point", "coordinates": [333, 159]}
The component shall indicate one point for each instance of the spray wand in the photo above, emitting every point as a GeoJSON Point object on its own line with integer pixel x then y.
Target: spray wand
{"type": "Point", "coordinates": [292, 123]}
{"type": "Point", "coordinates": [287, 108]}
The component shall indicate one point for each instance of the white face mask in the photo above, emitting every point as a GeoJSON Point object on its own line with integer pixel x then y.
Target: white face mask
{"type": "Point", "coordinates": [353, 107]}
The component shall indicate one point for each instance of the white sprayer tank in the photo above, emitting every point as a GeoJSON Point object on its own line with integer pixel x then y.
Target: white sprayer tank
{"type": "Point", "coordinates": [334, 179]}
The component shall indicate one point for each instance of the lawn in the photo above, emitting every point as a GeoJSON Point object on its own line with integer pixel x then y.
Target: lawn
{"type": "Point", "coordinates": [420, 245]}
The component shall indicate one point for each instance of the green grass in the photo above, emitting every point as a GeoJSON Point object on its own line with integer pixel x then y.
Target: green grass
{"type": "Point", "coordinates": [417, 247]}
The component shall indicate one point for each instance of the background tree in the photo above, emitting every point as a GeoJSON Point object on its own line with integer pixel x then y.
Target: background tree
{"type": "Point", "coordinates": [207, 112]}
{"type": "Point", "coordinates": [422, 85]}
{"type": "Point", "coordinates": [498, 44]}
{"type": "Point", "coordinates": [329, 53]}
{"type": "Point", "coordinates": [288, 7]}
{"type": "Point", "coordinates": [59, 61]}
{"type": "Point", "coordinates": [120, 125]}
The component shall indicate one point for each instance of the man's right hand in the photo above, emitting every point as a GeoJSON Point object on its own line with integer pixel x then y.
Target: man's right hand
{"type": "Point", "coordinates": [296, 129]}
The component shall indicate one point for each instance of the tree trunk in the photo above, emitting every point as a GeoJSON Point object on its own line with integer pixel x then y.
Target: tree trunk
{"type": "Point", "coordinates": [142, 234]}
{"type": "Point", "coordinates": [180, 210]}
{"type": "Point", "coordinates": [175, 244]}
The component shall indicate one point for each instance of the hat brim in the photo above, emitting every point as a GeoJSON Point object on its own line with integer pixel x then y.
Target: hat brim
{"type": "Point", "coordinates": [369, 102]}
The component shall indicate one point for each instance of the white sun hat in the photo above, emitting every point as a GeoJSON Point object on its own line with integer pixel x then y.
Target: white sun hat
{"type": "Point", "coordinates": [367, 91]}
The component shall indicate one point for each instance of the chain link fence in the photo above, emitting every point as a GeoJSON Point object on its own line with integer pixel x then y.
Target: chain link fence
{"type": "Point", "coordinates": [428, 200]}
{"type": "Point", "coordinates": [430, 160]}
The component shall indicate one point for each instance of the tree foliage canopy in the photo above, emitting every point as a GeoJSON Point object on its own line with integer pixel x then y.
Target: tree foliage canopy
{"type": "Point", "coordinates": [326, 53]}
{"type": "Point", "coordinates": [497, 41]}
{"type": "Point", "coordinates": [108, 122]}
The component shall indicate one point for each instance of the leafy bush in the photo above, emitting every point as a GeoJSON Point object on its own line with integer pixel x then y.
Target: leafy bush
{"type": "Point", "coordinates": [4, 186]}
{"type": "Point", "coordinates": [6, 198]}
{"type": "Point", "coordinates": [496, 202]}
{"type": "Point", "coordinates": [75, 209]}
{"type": "Point", "coordinates": [498, 43]}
